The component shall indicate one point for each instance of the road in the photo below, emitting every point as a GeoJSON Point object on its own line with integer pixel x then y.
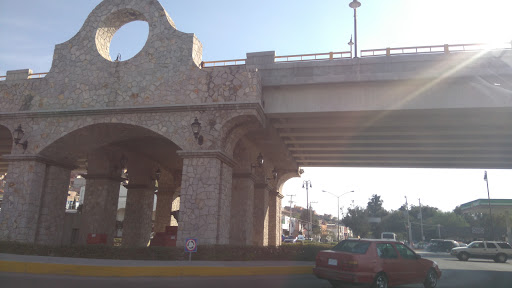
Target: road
{"type": "Point", "coordinates": [474, 273]}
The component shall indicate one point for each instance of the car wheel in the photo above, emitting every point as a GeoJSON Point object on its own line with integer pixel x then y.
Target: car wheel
{"type": "Point", "coordinates": [336, 284]}
{"type": "Point", "coordinates": [431, 279]}
{"type": "Point", "coordinates": [500, 258]}
{"type": "Point", "coordinates": [381, 281]}
{"type": "Point", "coordinates": [463, 257]}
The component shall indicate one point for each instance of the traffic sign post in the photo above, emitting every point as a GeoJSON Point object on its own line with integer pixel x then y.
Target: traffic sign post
{"type": "Point", "coordinates": [190, 246]}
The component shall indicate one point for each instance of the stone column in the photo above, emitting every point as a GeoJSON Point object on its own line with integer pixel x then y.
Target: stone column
{"type": "Point", "coordinates": [261, 215]}
{"type": "Point", "coordinates": [205, 198]}
{"type": "Point", "coordinates": [22, 199]}
{"type": "Point", "coordinates": [164, 201]}
{"type": "Point", "coordinates": [242, 202]}
{"type": "Point", "coordinates": [274, 225]}
{"type": "Point", "coordinates": [139, 203]}
{"type": "Point", "coordinates": [99, 210]}
{"type": "Point", "coordinates": [52, 212]}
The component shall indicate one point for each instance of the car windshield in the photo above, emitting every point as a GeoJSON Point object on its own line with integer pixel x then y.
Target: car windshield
{"type": "Point", "coordinates": [358, 247]}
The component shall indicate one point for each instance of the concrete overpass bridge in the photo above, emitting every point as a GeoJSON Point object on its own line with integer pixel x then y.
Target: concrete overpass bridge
{"type": "Point", "coordinates": [136, 120]}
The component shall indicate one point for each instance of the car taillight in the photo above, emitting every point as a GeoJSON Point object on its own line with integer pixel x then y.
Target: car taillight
{"type": "Point", "coordinates": [350, 265]}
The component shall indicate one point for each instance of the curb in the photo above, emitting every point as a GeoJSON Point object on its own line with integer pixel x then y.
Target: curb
{"type": "Point", "coordinates": [147, 271]}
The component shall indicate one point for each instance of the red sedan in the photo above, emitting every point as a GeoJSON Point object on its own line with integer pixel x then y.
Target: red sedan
{"type": "Point", "coordinates": [378, 263]}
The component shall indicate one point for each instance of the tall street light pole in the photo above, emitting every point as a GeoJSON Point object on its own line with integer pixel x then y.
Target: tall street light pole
{"type": "Point", "coordinates": [307, 184]}
{"type": "Point", "coordinates": [338, 222]}
{"type": "Point", "coordinates": [311, 215]}
{"type": "Point", "coordinates": [354, 5]}
{"type": "Point", "coordinates": [421, 222]}
{"type": "Point", "coordinates": [490, 209]}
{"type": "Point", "coordinates": [408, 221]}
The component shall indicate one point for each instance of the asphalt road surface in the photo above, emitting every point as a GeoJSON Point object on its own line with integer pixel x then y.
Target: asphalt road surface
{"type": "Point", "coordinates": [474, 273]}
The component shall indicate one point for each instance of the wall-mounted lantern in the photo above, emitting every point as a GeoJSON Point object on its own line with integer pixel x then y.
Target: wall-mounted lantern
{"type": "Point", "coordinates": [274, 173]}
{"type": "Point", "coordinates": [18, 135]}
{"type": "Point", "coordinates": [259, 161]}
{"type": "Point", "coordinates": [196, 129]}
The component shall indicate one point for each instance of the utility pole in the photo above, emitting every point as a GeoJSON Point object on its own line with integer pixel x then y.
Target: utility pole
{"type": "Point", "coordinates": [490, 209]}
{"type": "Point", "coordinates": [421, 222]}
{"type": "Point", "coordinates": [408, 221]}
{"type": "Point", "coordinates": [290, 221]}
{"type": "Point", "coordinates": [311, 216]}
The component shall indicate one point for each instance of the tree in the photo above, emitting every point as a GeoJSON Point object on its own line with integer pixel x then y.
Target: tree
{"type": "Point", "coordinates": [357, 220]}
{"type": "Point", "coordinates": [374, 206]}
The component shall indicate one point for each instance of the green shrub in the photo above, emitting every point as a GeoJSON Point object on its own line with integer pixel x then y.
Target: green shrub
{"type": "Point", "coordinates": [285, 252]}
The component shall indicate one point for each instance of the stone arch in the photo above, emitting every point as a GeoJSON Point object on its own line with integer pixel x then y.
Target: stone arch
{"type": "Point", "coordinates": [284, 176]}
{"type": "Point", "coordinates": [235, 128]}
{"type": "Point", "coordinates": [98, 150]}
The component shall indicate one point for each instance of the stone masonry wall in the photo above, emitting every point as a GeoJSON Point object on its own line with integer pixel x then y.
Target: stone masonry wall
{"type": "Point", "coordinates": [204, 201]}
{"type": "Point", "coordinates": [51, 217]}
{"type": "Point", "coordinates": [21, 203]}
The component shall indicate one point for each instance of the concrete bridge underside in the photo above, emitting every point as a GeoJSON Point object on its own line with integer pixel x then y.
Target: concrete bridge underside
{"type": "Point", "coordinates": [443, 138]}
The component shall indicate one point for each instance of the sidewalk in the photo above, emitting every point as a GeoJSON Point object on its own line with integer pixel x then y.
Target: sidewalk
{"type": "Point", "coordinates": [142, 268]}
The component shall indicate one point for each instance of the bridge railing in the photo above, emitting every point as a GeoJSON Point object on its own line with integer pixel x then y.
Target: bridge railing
{"type": "Point", "coordinates": [222, 63]}
{"type": "Point", "coordinates": [446, 48]}
{"type": "Point", "coordinates": [313, 57]}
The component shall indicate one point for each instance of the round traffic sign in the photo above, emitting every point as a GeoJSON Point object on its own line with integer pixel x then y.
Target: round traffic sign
{"type": "Point", "coordinates": [191, 245]}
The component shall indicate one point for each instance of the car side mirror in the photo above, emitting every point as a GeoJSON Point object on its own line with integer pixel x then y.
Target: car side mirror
{"type": "Point", "coordinates": [418, 256]}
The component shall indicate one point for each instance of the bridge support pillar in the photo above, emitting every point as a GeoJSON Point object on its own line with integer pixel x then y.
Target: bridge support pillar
{"type": "Point", "coordinates": [166, 190]}
{"type": "Point", "coordinates": [205, 197]}
{"type": "Point", "coordinates": [139, 203]}
{"type": "Point", "coordinates": [52, 213]}
{"type": "Point", "coordinates": [101, 195]}
{"type": "Point", "coordinates": [30, 212]}
{"type": "Point", "coordinates": [261, 215]}
{"type": "Point", "coordinates": [274, 225]}
{"type": "Point", "coordinates": [241, 230]}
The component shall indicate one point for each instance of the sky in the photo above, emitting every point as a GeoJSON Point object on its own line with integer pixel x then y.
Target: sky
{"type": "Point", "coordinates": [228, 29]}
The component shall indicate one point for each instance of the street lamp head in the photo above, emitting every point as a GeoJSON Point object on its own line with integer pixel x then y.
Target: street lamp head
{"type": "Point", "coordinates": [354, 4]}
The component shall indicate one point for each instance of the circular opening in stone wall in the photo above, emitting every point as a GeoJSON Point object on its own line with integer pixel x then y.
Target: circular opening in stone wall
{"type": "Point", "coordinates": [129, 40]}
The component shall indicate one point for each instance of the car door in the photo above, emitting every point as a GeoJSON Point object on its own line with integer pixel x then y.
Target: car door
{"type": "Point", "coordinates": [409, 264]}
{"type": "Point", "coordinates": [389, 262]}
{"type": "Point", "coordinates": [490, 250]}
{"type": "Point", "coordinates": [476, 249]}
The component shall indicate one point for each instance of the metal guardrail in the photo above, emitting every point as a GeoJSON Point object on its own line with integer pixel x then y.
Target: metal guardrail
{"type": "Point", "coordinates": [37, 75]}
{"type": "Point", "coordinates": [313, 57]}
{"type": "Point", "coordinates": [446, 48]}
{"type": "Point", "coordinates": [223, 63]}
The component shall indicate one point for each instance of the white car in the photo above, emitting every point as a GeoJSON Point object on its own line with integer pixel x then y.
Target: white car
{"type": "Point", "coordinates": [498, 251]}
{"type": "Point", "coordinates": [300, 238]}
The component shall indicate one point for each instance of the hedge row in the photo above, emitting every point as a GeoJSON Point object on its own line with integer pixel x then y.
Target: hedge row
{"type": "Point", "coordinates": [286, 252]}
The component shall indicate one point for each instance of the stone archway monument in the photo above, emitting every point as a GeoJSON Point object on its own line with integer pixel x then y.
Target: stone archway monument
{"type": "Point", "coordinates": [90, 111]}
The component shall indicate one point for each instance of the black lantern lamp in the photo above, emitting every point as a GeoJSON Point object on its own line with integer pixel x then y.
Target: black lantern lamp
{"type": "Point", "coordinates": [274, 173]}
{"type": "Point", "coordinates": [259, 161]}
{"type": "Point", "coordinates": [157, 174]}
{"type": "Point", "coordinates": [18, 135]}
{"type": "Point", "coordinates": [196, 129]}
